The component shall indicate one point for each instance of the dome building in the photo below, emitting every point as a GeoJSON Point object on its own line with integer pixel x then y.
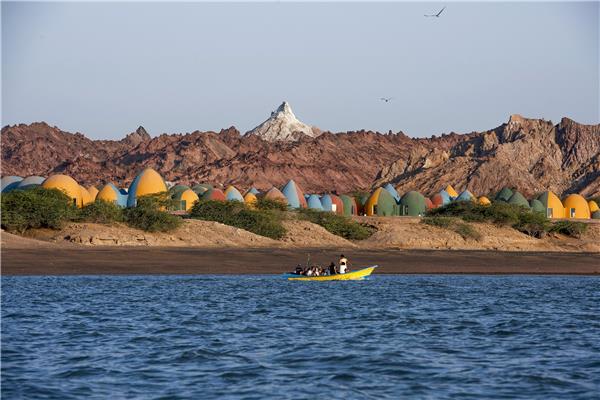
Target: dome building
{"type": "Point", "coordinates": [294, 195]}
{"type": "Point", "coordinates": [275, 194]}
{"type": "Point", "coordinates": [537, 206]}
{"type": "Point", "coordinates": [413, 204]}
{"type": "Point", "coordinates": [112, 194]}
{"type": "Point", "coordinates": [232, 194]}
{"type": "Point", "coordinates": [484, 201]}
{"type": "Point", "coordinates": [380, 203]}
{"type": "Point", "coordinates": [504, 194]}
{"type": "Point", "coordinates": [186, 198]}
{"type": "Point", "coordinates": [314, 202]}
{"type": "Point", "coordinates": [93, 191]}
{"type": "Point", "coordinates": [250, 199]}
{"type": "Point", "coordinates": [465, 196]}
{"type": "Point", "coordinates": [332, 203]}
{"type": "Point", "coordinates": [350, 206]}
{"type": "Point", "coordinates": [451, 192]}
{"type": "Point", "coordinates": [10, 182]}
{"type": "Point", "coordinates": [146, 183]}
{"type": "Point", "coordinates": [213, 194]}
{"type": "Point", "coordinates": [30, 182]}
{"type": "Point", "coordinates": [552, 205]}
{"type": "Point", "coordinates": [518, 199]}
{"type": "Point", "coordinates": [200, 188]}
{"type": "Point", "coordinates": [66, 184]}
{"type": "Point", "coordinates": [86, 197]}
{"type": "Point", "coordinates": [391, 190]}
{"type": "Point", "coordinates": [576, 207]}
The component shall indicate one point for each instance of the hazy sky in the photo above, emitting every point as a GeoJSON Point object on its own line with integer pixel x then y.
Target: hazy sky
{"type": "Point", "coordinates": [104, 68]}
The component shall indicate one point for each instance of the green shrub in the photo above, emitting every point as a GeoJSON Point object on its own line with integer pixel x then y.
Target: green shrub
{"type": "Point", "coordinates": [463, 229]}
{"type": "Point", "coordinates": [337, 224]}
{"type": "Point", "coordinates": [149, 214]}
{"type": "Point", "coordinates": [264, 222]}
{"type": "Point", "coordinates": [570, 228]}
{"type": "Point", "coordinates": [466, 231]}
{"type": "Point", "coordinates": [36, 208]}
{"type": "Point", "coordinates": [101, 212]}
{"type": "Point", "coordinates": [440, 222]}
{"type": "Point", "coordinates": [533, 224]}
{"type": "Point", "coordinates": [270, 204]}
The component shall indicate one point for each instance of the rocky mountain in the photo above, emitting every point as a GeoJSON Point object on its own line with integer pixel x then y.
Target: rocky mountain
{"type": "Point", "coordinates": [283, 125]}
{"type": "Point", "coordinates": [529, 154]}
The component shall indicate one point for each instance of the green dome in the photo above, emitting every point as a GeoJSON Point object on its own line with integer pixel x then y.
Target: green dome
{"type": "Point", "coordinates": [537, 206]}
{"type": "Point", "coordinates": [596, 215]}
{"type": "Point", "coordinates": [413, 204]}
{"type": "Point", "coordinates": [518, 199]}
{"type": "Point", "coordinates": [504, 194]}
{"type": "Point", "coordinates": [177, 189]}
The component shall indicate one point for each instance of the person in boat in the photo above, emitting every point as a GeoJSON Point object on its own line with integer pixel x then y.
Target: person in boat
{"type": "Point", "coordinates": [343, 265]}
{"type": "Point", "coordinates": [332, 269]}
{"type": "Point", "coordinates": [299, 270]}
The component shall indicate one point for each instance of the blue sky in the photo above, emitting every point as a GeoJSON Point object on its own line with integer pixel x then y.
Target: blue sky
{"type": "Point", "coordinates": [104, 68]}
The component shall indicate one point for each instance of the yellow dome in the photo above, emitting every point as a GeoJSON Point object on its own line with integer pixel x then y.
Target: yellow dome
{"type": "Point", "coordinates": [576, 207]}
{"type": "Point", "coordinates": [67, 185]}
{"type": "Point", "coordinates": [86, 197]}
{"type": "Point", "coordinates": [190, 197]}
{"type": "Point", "coordinates": [484, 201]}
{"type": "Point", "coordinates": [250, 199]}
{"type": "Point", "coordinates": [450, 190]}
{"type": "Point", "coordinates": [93, 192]}
{"type": "Point", "coordinates": [107, 193]}
{"type": "Point", "coordinates": [554, 207]}
{"type": "Point", "coordinates": [372, 202]}
{"type": "Point", "coordinates": [147, 182]}
{"type": "Point", "coordinates": [593, 206]}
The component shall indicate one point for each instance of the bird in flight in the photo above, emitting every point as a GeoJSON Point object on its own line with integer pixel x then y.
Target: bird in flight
{"type": "Point", "coordinates": [386, 99]}
{"type": "Point", "coordinates": [436, 15]}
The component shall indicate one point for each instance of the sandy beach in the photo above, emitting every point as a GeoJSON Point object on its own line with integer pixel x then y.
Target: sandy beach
{"type": "Point", "coordinates": [130, 260]}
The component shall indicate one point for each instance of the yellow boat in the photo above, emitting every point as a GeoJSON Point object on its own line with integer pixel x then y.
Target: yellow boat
{"type": "Point", "coordinates": [350, 276]}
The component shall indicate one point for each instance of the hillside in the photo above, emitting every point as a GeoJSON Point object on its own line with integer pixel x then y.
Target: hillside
{"type": "Point", "coordinates": [529, 154]}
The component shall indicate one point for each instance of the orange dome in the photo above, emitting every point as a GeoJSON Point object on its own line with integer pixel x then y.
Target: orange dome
{"type": "Point", "coordinates": [93, 191]}
{"type": "Point", "coordinates": [68, 185]}
{"type": "Point", "coordinates": [576, 207]}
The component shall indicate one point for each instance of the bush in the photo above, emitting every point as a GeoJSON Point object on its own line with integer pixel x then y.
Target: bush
{"type": "Point", "coordinates": [569, 228]}
{"type": "Point", "coordinates": [149, 214]}
{"type": "Point", "coordinates": [264, 222]}
{"type": "Point", "coordinates": [270, 204]}
{"type": "Point", "coordinates": [463, 229]}
{"type": "Point", "coordinates": [101, 212]}
{"type": "Point", "coordinates": [533, 224]}
{"type": "Point", "coordinates": [337, 224]}
{"type": "Point", "coordinates": [36, 208]}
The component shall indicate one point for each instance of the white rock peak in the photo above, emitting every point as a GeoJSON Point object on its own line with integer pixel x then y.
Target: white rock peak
{"type": "Point", "coordinates": [283, 125]}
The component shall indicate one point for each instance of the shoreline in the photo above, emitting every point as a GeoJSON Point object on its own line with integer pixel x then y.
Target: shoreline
{"type": "Point", "coordinates": [229, 261]}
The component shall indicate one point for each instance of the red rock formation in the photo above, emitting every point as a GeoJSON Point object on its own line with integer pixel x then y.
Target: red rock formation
{"type": "Point", "coordinates": [529, 154]}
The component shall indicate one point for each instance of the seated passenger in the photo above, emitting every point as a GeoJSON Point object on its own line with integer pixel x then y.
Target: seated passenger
{"type": "Point", "coordinates": [299, 270]}
{"type": "Point", "coordinates": [332, 269]}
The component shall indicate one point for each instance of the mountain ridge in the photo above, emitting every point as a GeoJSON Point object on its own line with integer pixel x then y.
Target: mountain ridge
{"type": "Point", "coordinates": [529, 154]}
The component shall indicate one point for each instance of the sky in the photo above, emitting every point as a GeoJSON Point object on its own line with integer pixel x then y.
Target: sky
{"type": "Point", "coordinates": [103, 69]}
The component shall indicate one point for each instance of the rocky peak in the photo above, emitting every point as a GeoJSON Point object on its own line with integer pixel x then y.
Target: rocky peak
{"type": "Point", "coordinates": [139, 136]}
{"type": "Point", "coordinates": [283, 125]}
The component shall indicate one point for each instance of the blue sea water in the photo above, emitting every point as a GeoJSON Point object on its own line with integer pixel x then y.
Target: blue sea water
{"type": "Point", "coordinates": [203, 337]}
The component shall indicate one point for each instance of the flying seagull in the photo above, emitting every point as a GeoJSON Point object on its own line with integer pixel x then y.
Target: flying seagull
{"type": "Point", "coordinates": [436, 15]}
{"type": "Point", "coordinates": [386, 99]}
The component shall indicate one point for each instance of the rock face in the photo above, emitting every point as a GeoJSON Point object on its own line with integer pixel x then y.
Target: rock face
{"type": "Point", "coordinates": [283, 125]}
{"type": "Point", "coordinates": [530, 155]}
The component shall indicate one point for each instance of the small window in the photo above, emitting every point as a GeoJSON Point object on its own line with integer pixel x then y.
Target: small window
{"type": "Point", "coordinates": [183, 205]}
{"type": "Point", "coordinates": [375, 210]}
{"type": "Point", "coordinates": [333, 207]}
{"type": "Point", "coordinates": [572, 210]}
{"type": "Point", "coordinates": [548, 213]}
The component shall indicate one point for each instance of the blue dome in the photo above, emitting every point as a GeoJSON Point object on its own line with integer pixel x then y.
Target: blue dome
{"type": "Point", "coordinates": [314, 202]}
{"type": "Point", "coordinates": [393, 192]}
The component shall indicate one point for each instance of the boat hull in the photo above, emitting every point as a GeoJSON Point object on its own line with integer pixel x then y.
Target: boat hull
{"type": "Point", "coordinates": [350, 276]}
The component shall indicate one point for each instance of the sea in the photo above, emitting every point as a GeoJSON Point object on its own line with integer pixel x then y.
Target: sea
{"type": "Point", "coordinates": [261, 337]}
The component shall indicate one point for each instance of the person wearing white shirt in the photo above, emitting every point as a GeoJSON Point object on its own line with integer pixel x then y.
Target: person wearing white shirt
{"type": "Point", "coordinates": [343, 264]}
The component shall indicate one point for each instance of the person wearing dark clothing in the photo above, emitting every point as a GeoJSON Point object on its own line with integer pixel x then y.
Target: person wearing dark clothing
{"type": "Point", "coordinates": [332, 269]}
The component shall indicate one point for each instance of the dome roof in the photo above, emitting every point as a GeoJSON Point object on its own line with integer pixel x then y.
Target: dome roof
{"type": "Point", "coordinates": [350, 206]}
{"type": "Point", "coordinates": [294, 195]}
{"type": "Point", "coordinates": [250, 198]}
{"type": "Point", "coordinates": [275, 194]}
{"type": "Point", "coordinates": [232, 194]}
{"type": "Point", "coordinates": [253, 190]}
{"type": "Point", "coordinates": [333, 203]}
{"type": "Point", "coordinates": [484, 201]}
{"type": "Point", "coordinates": [596, 215]}
{"type": "Point", "coordinates": [111, 193]}
{"type": "Point", "coordinates": [86, 197]}
{"type": "Point", "coordinates": [30, 182]}
{"type": "Point", "coordinates": [518, 199]}
{"type": "Point", "coordinates": [214, 194]}
{"type": "Point", "coordinates": [67, 185]}
{"type": "Point", "coordinates": [10, 182]}
{"type": "Point", "coordinates": [381, 203]}
{"type": "Point", "coordinates": [593, 206]}
{"type": "Point", "coordinates": [537, 206]}
{"type": "Point", "coordinates": [391, 190]}
{"type": "Point", "coordinates": [175, 190]}
{"type": "Point", "coordinates": [465, 196]}
{"type": "Point", "coordinates": [504, 194]}
{"type": "Point", "coordinates": [201, 188]}
{"type": "Point", "coordinates": [147, 182]}
{"type": "Point", "coordinates": [93, 191]}
{"type": "Point", "coordinates": [314, 202]}
{"type": "Point", "coordinates": [451, 192]}
{"type": "Point", "coordinates": [576, 207]}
